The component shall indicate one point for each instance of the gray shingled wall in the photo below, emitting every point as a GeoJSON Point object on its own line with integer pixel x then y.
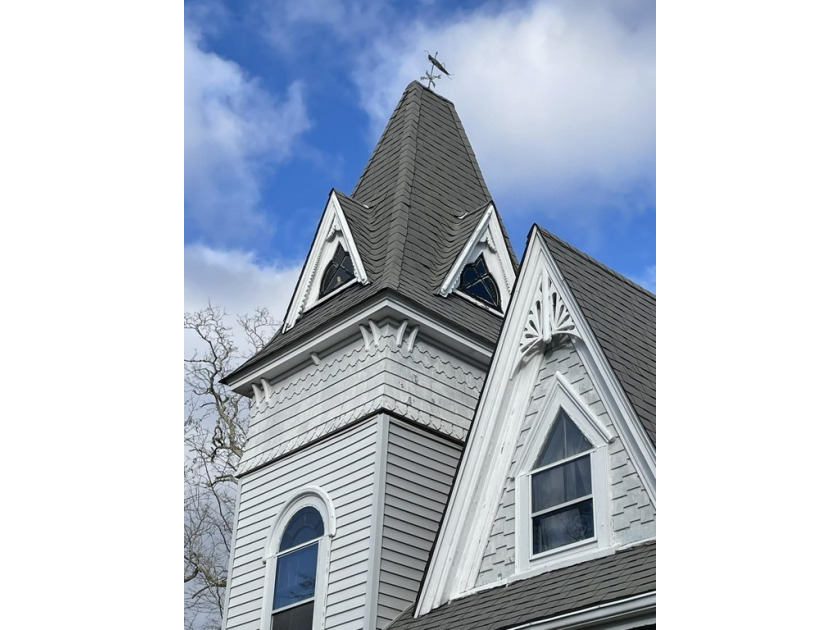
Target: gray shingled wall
{"type": "Point", "coordinates": [428, 384]}
{"type": "Point", "coordinates": [632, 515]}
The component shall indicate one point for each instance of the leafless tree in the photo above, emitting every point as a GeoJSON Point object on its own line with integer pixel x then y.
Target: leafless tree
{"type": "Point", "coordinates": [215, 426]}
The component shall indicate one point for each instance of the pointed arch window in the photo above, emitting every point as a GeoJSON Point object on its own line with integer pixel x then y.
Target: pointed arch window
{"type": "Point", "coordinates": [562, 510]}
{"type": "Point", "coordinates": [477, 282]}
{"type": "Point", "coordinates": [296, 571]}
{"type": "Point", "coordinates": [339, 271]}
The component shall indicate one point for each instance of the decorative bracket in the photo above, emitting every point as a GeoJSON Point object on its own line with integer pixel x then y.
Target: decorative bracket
{"type": "Point", "coordinates": [411, 336]}
{"type": "Point", "coordinates": [548, 319]}
{"type": "Point", "coordinates": [335, 229]}
{"type": "Point", "coordinates": [371, 336]}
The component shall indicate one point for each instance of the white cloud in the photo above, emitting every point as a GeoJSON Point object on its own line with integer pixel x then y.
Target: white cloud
{"type": "Point", "coordinates": [557, 98]}
{"type": "Point", "coordinates": [234, 131]}
{"type": "Point", "coordinates": [234, 280]}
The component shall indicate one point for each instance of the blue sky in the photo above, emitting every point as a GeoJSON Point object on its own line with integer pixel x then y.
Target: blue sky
{"type": "Point", "coordinates": [285, 100]}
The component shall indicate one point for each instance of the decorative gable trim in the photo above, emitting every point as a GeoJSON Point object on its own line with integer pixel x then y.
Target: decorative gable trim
{"type": "Point", "coordinates": [332, 232]}
{"type": "Point", "coordinates": [527, 332]}
{"type": "Point", "coordinates": [487, 239]}
{"type": "Point", "coordinates": [548, 320]}
{"type": "Point", "coordinates": [627, 423]}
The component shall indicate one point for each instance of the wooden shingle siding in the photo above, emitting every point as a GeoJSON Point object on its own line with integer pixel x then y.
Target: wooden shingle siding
{"type": "Point", "coordinates": [632, 514]}
{"type": "Point", "coordinates": [428, 385]}
{"type": "Point", "coordinates": [343, 466]}
{"type": "Point", "coordinates": [419, 472]}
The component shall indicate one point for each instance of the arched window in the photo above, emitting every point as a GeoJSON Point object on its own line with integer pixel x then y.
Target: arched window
{"type": "Point", "coordinates": [477, 282]}
{"type": "Point", "coordinates": [338, 272]}
{"type": "Point", "coordinates": [297, 559]}
{"type": "Point", "coordinates": [296, 571]}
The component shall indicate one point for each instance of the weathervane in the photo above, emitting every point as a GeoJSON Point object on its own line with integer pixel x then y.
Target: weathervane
{"type": "Point", "coordinates": [435, 64]}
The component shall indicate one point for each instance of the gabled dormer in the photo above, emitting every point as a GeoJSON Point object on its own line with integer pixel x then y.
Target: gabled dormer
{"type": "Point", "coordinates": [560, 466]}
{"type": "Point", "coordinates": [333, 263]}
{"type": "Point", "coordinates": [483, 272]}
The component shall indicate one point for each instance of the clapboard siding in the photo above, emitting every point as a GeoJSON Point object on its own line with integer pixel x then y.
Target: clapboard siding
{"type": "Point", "coordinates": [632, 514]}
{"type": "Point", "coordinates": [418, 475]}
{"type": "Point", "coordinates": [428, 384]}
{"type": "Point", "coordinates": [343, 466]}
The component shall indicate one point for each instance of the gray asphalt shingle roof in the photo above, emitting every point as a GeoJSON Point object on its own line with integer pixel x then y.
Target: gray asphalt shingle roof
{"type": "Point", "coordinates": [417, 202]}
{"type": "Point", "coordinates": [624, 574]}
{"type": "Point", "coordinates": [623, 317]}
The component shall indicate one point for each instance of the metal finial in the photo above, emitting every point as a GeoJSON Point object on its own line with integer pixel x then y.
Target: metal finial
{"type": "Point", "coordinates": [429, 76]}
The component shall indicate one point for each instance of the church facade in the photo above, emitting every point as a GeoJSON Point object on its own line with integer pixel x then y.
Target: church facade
{"type": "Point", "coordinates": [440, 437]}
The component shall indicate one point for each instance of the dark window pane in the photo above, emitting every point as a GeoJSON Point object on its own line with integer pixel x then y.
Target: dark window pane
{"type": "Point", "coordinates": [564, 526]}
{"type": "Point", "coordinates": [305, 525]}
{"type": "Point", "coordinates": [339, 271]}
{"type": "Point", "coordinates": [297, 618]}
{"type": "Point", "coordinates": [564, 441]}
{"type": "Point", "coordinates": [561, 484]}
{"type": "Point", "coordinates": [477, 282]}
{"type": "Point", "coordinates": [294, 579]}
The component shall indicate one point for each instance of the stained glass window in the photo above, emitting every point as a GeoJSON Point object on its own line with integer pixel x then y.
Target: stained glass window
{"type": "Point", "coordinates": [561, 489]}
{"type": "Point", "coordinates": [338, 272]}
{"type": "Point", "coordinates": [477, 282]}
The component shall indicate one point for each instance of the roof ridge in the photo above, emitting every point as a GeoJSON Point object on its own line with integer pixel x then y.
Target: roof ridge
{"type": "Point", "coordinates": [598, 263]}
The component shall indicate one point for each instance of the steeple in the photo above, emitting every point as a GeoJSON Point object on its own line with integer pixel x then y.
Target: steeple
{"type": "Point", "coordinates": [419, 200]}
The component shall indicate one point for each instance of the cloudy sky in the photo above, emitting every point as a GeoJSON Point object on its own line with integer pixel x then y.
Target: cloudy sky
{"type": "Point", "coordinates": [285, 100]}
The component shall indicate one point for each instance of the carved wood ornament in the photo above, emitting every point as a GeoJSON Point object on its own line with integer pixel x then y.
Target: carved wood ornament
{"type": "Point", "coordinates": [548, 319]}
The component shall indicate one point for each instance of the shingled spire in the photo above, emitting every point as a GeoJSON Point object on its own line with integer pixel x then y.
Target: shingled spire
{"type": "Point", "coordinates": [417, 203]}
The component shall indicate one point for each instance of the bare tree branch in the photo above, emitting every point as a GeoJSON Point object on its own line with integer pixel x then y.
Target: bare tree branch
{"type": "Point", "coordinates": [215, 428]}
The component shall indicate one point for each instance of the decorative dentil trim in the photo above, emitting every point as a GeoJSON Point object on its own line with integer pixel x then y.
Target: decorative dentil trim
{"type": "Point", "coordinates": [484, 239]}
{"type": "Point", "coordinates": [548, 318]}
{"type": "Point", "coordinates": [332, 231]}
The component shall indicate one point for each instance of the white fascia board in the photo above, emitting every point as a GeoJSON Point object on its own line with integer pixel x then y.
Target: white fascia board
{"type": "Point", "coordinates": [624, 417]}
{"type": "Point", "coordinates": [487, 455]}
{"type": "Point", "coordinates": [488, 230]}
{"type": "Point", "coordinates": [630, 612]}
{"type": "Point", "coordinates": [333, 221]}
{"type": "Point", "coordinates": [347, 328]}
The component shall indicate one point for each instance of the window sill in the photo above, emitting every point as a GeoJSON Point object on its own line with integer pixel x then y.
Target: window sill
{"type": "Point", "coordinates": [557, 559]}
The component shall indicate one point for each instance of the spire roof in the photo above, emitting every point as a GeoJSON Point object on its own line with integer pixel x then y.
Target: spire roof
{"type": "Point", "coordinates": [418, 200]}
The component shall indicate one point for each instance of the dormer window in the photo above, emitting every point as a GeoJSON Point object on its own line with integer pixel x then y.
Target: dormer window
{"type": "Point", "coordinates": [477, 282]}
{"type": "Point", "coordinates": [338, 272]}
{"type": "Point", "coordinates": [561, 489]}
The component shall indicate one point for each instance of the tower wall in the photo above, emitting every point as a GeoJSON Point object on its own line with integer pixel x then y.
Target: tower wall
{"type": "Point", "coordinates": [378, 424]}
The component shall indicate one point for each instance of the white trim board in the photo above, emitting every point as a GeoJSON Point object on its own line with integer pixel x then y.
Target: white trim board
{"type": "Point", "coordinates": [343, 330]}
{"type": "Point", "coordinates": [332, 231]}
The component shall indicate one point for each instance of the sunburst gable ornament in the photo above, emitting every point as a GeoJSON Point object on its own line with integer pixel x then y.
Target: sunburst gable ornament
{"type": "Point", "coordinates": [548, 319]}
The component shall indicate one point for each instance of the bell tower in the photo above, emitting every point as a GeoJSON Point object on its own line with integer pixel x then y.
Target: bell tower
{"type": "Point", "coordinates": [361, 404]}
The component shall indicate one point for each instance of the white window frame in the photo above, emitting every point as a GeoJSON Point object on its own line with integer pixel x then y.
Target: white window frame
{"type": "Point", "coordinates": [562, 396]}
{"type": "Point", "coordinates": [307, 497]}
